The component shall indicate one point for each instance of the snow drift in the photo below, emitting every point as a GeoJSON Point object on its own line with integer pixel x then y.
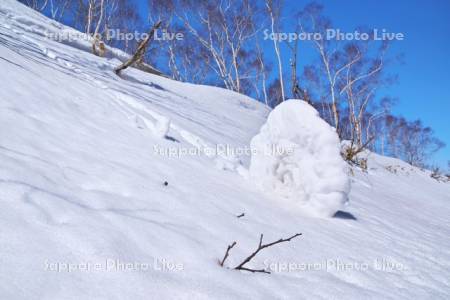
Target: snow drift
{"type": "Point", "coordinates": [296, 155]}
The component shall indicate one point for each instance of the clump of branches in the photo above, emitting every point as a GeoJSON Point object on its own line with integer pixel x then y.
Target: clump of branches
{"type": "Point", "coordinates": [436, 173]}
{"type": "Point", "coordinates": [439, 175]}
{"type": "Point", "coordinates": [243, 265]}
{"type": "Point", "coordinates": [351, 152]}
{"type": "Point", "coordinates": [408, 140]}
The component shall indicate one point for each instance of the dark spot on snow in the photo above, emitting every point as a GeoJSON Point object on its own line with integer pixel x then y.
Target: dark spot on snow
{"type": "Point", "coordinates": [246, 105]}
{"type": "Point", "coordinates": [156, 86]}
{"type": "Point", "coordinates": [172, 139]}
{"type": "Point", "coordinates": [166, 183]}
{"type": "Point", "coordinates": [344, 215]}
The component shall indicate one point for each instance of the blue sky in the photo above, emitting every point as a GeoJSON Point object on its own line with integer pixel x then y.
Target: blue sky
{"type": "Point", "coordinates": [423, 89]}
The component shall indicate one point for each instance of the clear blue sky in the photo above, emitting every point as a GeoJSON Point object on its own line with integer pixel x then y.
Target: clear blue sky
{"type": "Point", "coordinates": [423, 89]}
{"type": "Point", "coordinates": [424, 79]}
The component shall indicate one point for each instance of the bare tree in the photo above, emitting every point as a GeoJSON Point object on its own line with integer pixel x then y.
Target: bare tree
{"type": "Point", "coordinates": [39, 5]}
{"type": "Point", "coordinates": [223, 30]}
{"type": "Point", "coordinates": [295, 89]}
{"type": "Point", "coordinates": [263, 69]}
{"type": "Point", "coordinates": [410, 140]}
{"type": "Point", "coordinates": [418, 143]}
{"type": "Point", "coordinates": [312, 21]}
{"type": "Point", "coordinates": [362, 79]}
{"type": "Point", "coordinates": [274, 11]}
{"type": "Point", "coordinates": [97, 38]}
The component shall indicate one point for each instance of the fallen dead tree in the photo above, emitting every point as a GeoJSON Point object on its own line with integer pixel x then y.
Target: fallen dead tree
{"type": "Point", "coordinates": [137, 59]}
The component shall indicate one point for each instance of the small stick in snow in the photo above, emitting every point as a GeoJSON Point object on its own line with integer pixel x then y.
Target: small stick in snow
{"type": "Point", "coordinates": [241, 215]}
{"type": "Point", "coordinates": [226, 254]}
{"type": "Point", "coordinates": [260, 247]}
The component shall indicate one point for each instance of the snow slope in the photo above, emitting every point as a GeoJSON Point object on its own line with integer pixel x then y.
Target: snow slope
{"type": "Point", "coordinates": [85, 214]}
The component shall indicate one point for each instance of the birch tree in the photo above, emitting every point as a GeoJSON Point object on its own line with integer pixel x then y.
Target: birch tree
{"type": "Point", "coordinates": [274, 12]}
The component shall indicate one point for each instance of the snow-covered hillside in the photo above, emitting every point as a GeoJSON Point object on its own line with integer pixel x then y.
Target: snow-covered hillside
{"type": "Point", "coordinates": [85, 213]}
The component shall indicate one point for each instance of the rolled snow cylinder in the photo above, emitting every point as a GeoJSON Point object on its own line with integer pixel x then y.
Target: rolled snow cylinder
{"type": "Point", "coordinates": [296, 156]}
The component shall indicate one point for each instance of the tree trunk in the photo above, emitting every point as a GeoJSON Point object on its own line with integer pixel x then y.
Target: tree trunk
{"type": "Point", "coordinates": [140, 51]}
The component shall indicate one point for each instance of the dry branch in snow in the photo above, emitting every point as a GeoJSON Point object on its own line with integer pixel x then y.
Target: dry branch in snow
{"type": "Point", "coordinates": [261, 246]}
{"type": "Point", "coordinates": [226, 253]}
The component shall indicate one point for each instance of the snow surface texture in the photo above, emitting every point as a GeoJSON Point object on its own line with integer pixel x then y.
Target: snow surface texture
{"type": "Point", "coordinates": [82, 185]}
{"type": "Point", "coordinates": [296, 155]}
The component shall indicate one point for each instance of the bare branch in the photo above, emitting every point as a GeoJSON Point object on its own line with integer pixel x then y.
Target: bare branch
{"type": "Point", "coordinates": [226, 253]}
{"type": "Point", "coordinates": [262, 246]}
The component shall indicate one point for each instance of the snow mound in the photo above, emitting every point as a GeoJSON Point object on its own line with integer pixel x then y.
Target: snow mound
{"type": "Point", "coordinates": [296, 155]}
